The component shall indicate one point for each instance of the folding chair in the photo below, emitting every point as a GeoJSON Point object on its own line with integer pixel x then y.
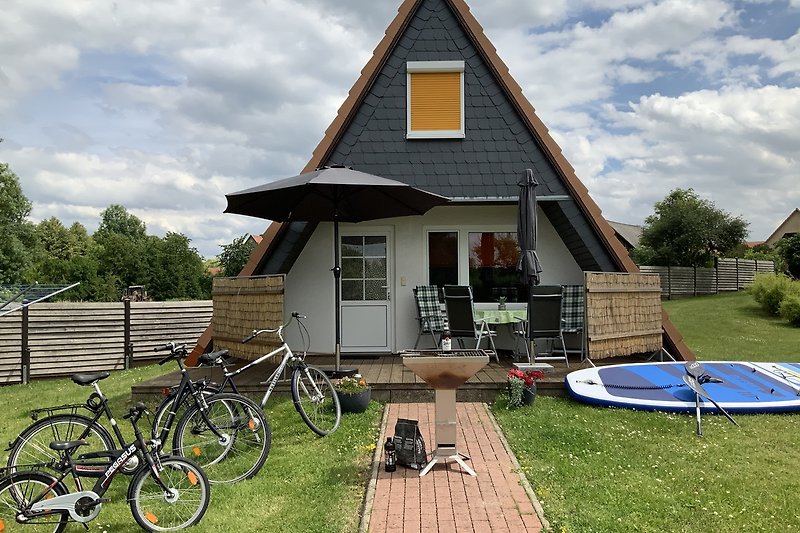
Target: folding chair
{"type": "Point", "coordinates": [572, 297]}
{"type": "Point", "coordinates": [544, 322]}
{"type": "Point", "coordinates": [520, 331]}
{"type": "Point", "coordinates": [461, 317]}
{"type": "Point", "coordinates": [429, 313]}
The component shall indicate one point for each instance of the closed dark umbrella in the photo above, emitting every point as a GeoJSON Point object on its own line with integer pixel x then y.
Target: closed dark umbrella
{"type": "Point", "coordinates": [334, 193]}
{"type": "Point", "coordinates": [529, 267]}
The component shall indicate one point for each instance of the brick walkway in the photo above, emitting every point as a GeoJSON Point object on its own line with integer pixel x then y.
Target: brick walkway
{"type": "Point", "coordinates": [447, 500]}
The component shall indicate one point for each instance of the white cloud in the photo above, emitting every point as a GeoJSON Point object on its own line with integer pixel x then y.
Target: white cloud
{"type": "Point", "coordinates": [580, 64]}
{"type": "Point", "coordinates": [167, 106]}
{"type": "Point", "coordinates": [739, 147]}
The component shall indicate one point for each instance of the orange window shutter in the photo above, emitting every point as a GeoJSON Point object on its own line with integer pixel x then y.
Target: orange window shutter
{"type": "Point", "coordinates": [435, 101]}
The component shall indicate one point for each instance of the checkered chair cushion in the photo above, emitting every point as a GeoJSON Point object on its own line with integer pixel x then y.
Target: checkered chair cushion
{"type": "Point", "coordinates": [430, 312]}
{"type": "Point", "coordinates": [571, 308]}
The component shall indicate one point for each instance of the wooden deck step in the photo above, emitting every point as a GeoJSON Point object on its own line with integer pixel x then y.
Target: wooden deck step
{"type": "Point", "coordinates": [389, 379]}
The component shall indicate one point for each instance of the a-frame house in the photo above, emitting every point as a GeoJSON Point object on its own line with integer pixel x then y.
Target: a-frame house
{"type": "Point", "coordinates": [435, 107]}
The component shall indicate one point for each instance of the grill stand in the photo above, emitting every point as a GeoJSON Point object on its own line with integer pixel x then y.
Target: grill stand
{"type": "Point", "coordinates": [445, 372]}
{"type": "Point", "coordinates": [446, 433]}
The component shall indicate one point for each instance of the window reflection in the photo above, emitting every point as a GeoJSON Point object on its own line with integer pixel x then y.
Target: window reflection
{"type": "Point", "coordinates": [493, 258]}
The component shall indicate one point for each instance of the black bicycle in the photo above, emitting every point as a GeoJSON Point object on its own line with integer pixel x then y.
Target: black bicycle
{"type": "Point", "coordinates": [65, 423]}
{"type": "Point", "coordinates": [224, 426]}
{"type": "Point", "coordinates": [312, 391]}
{"type": "Point", "coordinates": [166, 493]}
{"type": "Point", "coordinates": [227, 433]}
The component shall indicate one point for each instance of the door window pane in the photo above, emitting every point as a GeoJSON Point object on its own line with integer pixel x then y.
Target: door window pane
{"type": "Point", "coordinates": [364, 270]}
{"type": "Point", "coordinates": [374, 289]}
{"type": "Point", "coordinates": [493, 259]}
{"type": "Point", "coordinates": [443, 258]}
{"type": "Point", "coordinates": [375, 246]}
{"type": "Point", "coordinates": [352, 268]}
{"type": "Point", "coordinates": [352, 290]}
{"type": "Point", "coordinates": [352, 246]}
{"type": "Point", "coordinates": [375, 267]}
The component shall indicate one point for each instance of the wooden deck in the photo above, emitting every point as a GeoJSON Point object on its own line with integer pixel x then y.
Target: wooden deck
{"type": "Point", "coordinates": [389, 379]}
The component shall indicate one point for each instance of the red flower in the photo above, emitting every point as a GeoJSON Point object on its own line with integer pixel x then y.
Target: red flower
{"type": "Point", "coordinates": [528, 376]}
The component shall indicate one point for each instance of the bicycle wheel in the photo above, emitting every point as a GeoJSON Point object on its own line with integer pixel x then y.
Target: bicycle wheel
{"type": "Point", "coordinates": [18, 490]}
{"type": "Point", "coordinates": [161, 412]}
{"type": "Point", "coordinates": [33, 444]}
{"type": "Point", "coordinates": [316, 400]}
{"type": "Point", "coordinates": [245, 439]}
{"type": "Point", "coordinates": [184, 505]}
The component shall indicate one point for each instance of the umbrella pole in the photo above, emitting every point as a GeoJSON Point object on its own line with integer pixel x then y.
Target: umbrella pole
{"type": "Point", "coordinates": [337, 274]}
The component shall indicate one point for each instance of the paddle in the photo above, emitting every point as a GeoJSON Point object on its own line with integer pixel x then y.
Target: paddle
{"type": "Point", "coordinates": [695, 377]}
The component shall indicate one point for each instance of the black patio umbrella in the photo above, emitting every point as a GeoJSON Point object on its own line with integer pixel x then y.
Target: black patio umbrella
{"type": "Point", "coordinates": [337, 194]}
{"type": "Point", "coordinates": [528, 267]}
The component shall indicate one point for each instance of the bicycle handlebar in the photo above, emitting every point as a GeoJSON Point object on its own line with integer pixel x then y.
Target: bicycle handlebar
{"type": "Point", "coordinates": [169, 346]}
{"type": "Point", "coordinates": [278, 330]}
{"type": "Point", "coordinates": [176, 350]}
{"type": "Point", "coordinates": [135, 412]}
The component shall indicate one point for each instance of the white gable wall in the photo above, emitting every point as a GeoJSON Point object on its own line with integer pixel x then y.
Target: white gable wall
{"type": "Point", "coordinates": [309, 284]}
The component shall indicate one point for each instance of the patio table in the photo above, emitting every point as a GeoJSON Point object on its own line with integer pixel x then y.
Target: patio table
{"type": "Point", "coordinates": [506, 316]}
{"type": "Point", "coordinates": [502, 322]}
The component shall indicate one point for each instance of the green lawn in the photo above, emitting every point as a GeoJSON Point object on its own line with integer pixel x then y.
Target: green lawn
{"type": "Point", "coordinates": [617, 470]}
{"type": "Point", "coordinates": [731, 327]}
{"type": "Point", "coordinates": [307, 484]}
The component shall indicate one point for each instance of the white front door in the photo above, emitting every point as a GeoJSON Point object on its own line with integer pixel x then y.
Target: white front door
{"type": "Point", "coordinates": [366, 291]}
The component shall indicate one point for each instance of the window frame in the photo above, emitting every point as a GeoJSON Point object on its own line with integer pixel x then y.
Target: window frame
{"type": "Point", "coordinates": [463, 251]}
{"type": "Point", "coordinates": [413, 67]}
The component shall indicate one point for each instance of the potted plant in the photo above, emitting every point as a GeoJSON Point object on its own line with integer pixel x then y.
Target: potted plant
{"type": "Point", "coordinates": [522, 387]}
{"type": "Point", "coordinates": [501, 303]}
{"type": "Point", "coordinates": [354, 393]}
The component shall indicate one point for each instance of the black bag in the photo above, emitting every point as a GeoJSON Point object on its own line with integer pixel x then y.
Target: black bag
{"type": "Point", "coordinates": [409, 445]}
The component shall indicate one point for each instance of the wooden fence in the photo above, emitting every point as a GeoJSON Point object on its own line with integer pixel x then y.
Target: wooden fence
{"type": "Point", "coordinates": [727, 275]}
{"type": "Point", "coordinates": [57, 339]}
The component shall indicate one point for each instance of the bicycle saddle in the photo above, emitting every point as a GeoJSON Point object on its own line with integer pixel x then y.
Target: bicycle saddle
{"type": "Point", "coordinates": [66, 445]}
{"type": "Point", "coordinates": [88, 379]}
{"type": "Point", "coordinates": [212, 358]}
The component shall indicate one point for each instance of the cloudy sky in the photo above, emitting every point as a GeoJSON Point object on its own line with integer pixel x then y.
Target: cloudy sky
{"type": "Point", "coordinates": [165, 106]}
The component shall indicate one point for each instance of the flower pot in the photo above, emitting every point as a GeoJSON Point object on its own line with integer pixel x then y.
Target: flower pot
{"type": "Point", "coordinates": [528, 394]}
{"type": "Point", "coordinates": [354, 403]}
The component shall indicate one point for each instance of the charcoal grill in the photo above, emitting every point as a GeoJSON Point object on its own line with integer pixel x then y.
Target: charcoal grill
{"type": "Point", "coordinates": [445, 371]}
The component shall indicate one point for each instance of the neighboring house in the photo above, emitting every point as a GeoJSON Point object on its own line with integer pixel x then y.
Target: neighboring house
{"type": "Point", "coordinates": [628, 234]}
{"type": "Point", "coordinates": [435, 107]}
{"type": "Point", "coordinates": [256, 239]}
{"type": "Point", "coordinates": [788, 227]}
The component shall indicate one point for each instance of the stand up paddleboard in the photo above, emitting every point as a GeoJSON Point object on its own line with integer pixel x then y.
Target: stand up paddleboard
{"type": "Point", "coordinates": [743, 388]}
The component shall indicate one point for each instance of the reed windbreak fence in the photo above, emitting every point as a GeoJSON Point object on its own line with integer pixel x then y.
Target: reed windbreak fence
{"type": "Point", "coordinates": [58, 339]}
{"type": "Point", "coordinates": [623, 314]}
{"type": "Point", "coordinates": [727, 275]}
{"type": "Point", "coordinates": [243, 304]}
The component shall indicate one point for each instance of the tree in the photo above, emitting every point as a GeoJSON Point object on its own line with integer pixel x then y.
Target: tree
{"type": "Point", "coordinates": [176, 269]}
{"type": "Point", "coordinates": [789, 249]}
{"type": "Point", "coordinates": [123, 248]}
{"type": "Point", "coordinates": [16, 233]}
{"type": "Point", "coordinates": [14, 206]}
{"type": "Point", "coordinates": [117, 220]}
{"type": "Point", "coordinates": [686, 230]}
{"type": "Point", "coordinates": [235, 255]}
{"type": "Point", "coordinates": [65, 255]}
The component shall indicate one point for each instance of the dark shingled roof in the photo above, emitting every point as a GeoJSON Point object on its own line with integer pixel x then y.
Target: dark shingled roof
{"type": "Point", "coordinates": [503, 138]}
